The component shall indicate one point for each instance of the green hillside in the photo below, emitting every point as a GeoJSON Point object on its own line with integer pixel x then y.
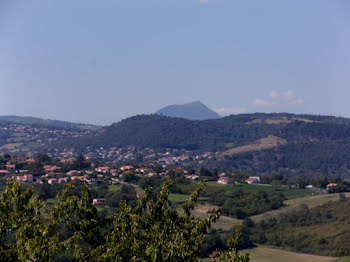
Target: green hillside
{"type": "Point", "coordinates": [304, 145]}
{"type": "Point", "coordinates": [323, 230]}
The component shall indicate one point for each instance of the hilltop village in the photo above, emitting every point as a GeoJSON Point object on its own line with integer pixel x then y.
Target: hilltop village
{"type": "Point", "coordinates": [26, 139]}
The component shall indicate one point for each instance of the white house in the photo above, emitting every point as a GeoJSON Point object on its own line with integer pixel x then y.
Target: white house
{"type": "Point", "coordinates": [253, 180]}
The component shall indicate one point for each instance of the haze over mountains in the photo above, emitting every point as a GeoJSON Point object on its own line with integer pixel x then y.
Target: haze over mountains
{"type": "Point", "coordinates": [193, 111]}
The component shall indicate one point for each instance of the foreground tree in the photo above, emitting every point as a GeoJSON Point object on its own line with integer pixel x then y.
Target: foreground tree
{"type": "Point", "coordinates": [151, 231]}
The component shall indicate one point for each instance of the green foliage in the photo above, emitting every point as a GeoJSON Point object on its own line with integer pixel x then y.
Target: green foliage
{"type": "Point", "coordinates": [240, 204]}
{"type": "Point", "coordinates": [212, 242]}
{"type": "Point", "coordinates": [126, 194]}
{"type": "Point", "coordinates": [233, 253]}
{"type": "Point", "coordinates": [150, 231]}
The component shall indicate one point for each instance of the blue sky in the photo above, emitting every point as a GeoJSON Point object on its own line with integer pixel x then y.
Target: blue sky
{"type": "Point", "coordinates": [101, 61]}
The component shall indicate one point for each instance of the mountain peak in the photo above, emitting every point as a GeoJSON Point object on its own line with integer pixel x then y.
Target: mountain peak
{"type": "Point", "coordinates": [195, 110]}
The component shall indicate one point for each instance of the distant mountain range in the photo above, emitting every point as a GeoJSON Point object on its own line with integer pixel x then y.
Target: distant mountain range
{"type": "Point", "coordinates": [193, 111]}
{"type": "Point", "coordinates": [304, 145]}
{"type": "Point", "coordinates": [28, 120]}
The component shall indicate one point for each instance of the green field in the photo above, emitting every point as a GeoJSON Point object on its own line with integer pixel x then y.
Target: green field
{"type": "Point", "coordinates": [118, 187]}
{"type": "Point", "coordinates": [342, 259]}
{"type": "Point", "coordinates": [289, 193]}
{"type": "Point", "coordinates": [264, 254]}
{"type": "Point", "coordinates": [310, 201]}
{"type": "Point", "coordinates": [114, 187]}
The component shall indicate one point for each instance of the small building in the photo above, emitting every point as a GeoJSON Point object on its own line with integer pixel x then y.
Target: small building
{"type": "Point", "coordinates": [221, 175]}
{"type": "Point", "coordinates": [81, 178]}
{"type": "Point", "coordinates": [331, 185]}
{"type": "Point", "coordinates": [10, 167]}
{"type": "Point", "coordinates": [125, 168]}
{"type": "Point", "coordinates": [224, 180]}
{"type": "Point", "coordinates": [150, 174]}
{"type": "Point", "coordinates": [114, 172]}
{"type": "Point", "coordinates": [5, 173]}
{"type": "Point", "coordinates": [67, 161]}
{"type": "Point", "coordinates": [63, 180]}
{"type": "Point", "coordinates": [25, 178]}
{"type": "Point", "coordinates": [30, 160]}
{"type": "Point", "coordinates": [98, 201]}
{"type": "Point", "coordinates": [139, 195]}
{"type": "Point", "coordinates": [193, 176]}
{"type": "Point", "coordinates": [52, 181]}
{"type": "Point", "coordinates": [29, 177]}
{"type": "Point", "coordinates": [54, 175]}
{"type": "Point", "coordinates": [102, 169]}
{"type": "Point", "coordinates": [73, 173]}
{"type": "Point", "coordinates": [50, 168]}
{"type": "Point", "coordinates": [252, 180]}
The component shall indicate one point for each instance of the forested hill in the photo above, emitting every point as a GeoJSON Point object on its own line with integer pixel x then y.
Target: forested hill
{"type": "Point", "coordinates": [193, 111]}
{"type": "Point", "coordinates": [28, 120]}
{"type": "Point", "coordinates": [218, 134]}
{"type": "Point", "coordinates": [255, 142]}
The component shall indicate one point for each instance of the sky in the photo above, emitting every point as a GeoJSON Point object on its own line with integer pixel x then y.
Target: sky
{"type": "Point", "coordinates": [102, 61]}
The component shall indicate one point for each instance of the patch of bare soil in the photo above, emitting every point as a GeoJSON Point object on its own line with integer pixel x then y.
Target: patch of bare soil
{"type": "Point", "coordinates": [263, 143]}
{"type": "Point", "coordinates": [11, 146]}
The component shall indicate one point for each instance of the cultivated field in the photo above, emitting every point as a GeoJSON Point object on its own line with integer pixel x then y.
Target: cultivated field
{"type": "Point", "coordinates": [264, 254]}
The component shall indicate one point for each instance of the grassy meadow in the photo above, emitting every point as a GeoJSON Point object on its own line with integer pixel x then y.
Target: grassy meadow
{"type": "Point", "coordinates": [289, 193]}
{"type": "Point", "coordinates": [265, 254]}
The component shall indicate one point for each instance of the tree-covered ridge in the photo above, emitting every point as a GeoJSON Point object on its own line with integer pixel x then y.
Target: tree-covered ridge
{"type": "Point", "coordinates": [217, 134]}
{"type": "Point", "coordinates": [312, 144]}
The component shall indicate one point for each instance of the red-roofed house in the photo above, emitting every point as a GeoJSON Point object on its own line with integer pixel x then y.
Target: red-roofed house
{"type": "Point", "coordinates": [5, 173]}
{"type": "Point", "coordinates": [26, 178]}
{"type": "Point", "coordinates": [30, 160]}
{"type": "Point", "coordinates": [331, 185]}
{"type": "Point", "coordinates": [252, 180]}
{"type": "Point", "coordinates": [52, 180]}
{"type": "Point", "coordinates": [81, 178]}
{"type": "Point", "coordinates": [102, 169]}
{"type": "Point", "coordinates": [194, 177]}
{"type": "Point", "coordinates": [10, 167]}
{"type": "Point", "coordinates": [123, 168]}
{"type": "Point", "coordinates": [63, 179]}
{"type": "Point", "coordinates": [73, 173]}
{"type": "Point", "coordinates": [140, 195]}
{"type": "Point", "coordinates": [224, 180]}
{"type": "Point", "coordinates": [98, 201]}
{"type": "Point", "coordinates": [50, 168]}
{"type": "Point", "coordinates": [70, 160]}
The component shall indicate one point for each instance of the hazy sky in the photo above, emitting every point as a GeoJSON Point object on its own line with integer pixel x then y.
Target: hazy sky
{"type": "Point", "coordinates": [99, 61]}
